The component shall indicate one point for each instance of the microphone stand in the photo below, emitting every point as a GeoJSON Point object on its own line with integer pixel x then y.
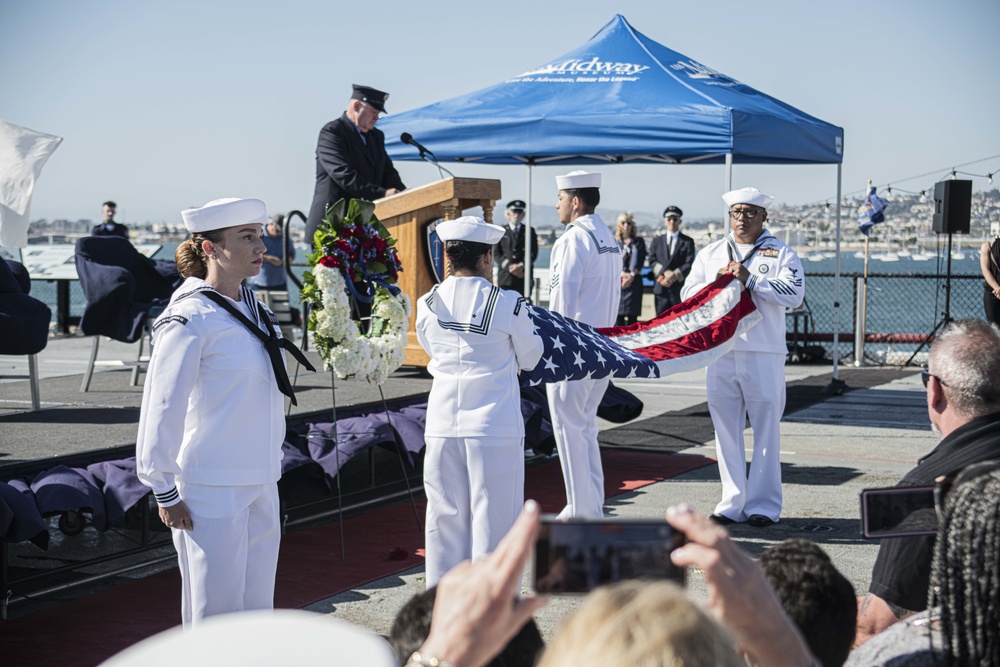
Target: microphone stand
{"type": "Point", "coordinates": [432, 160]}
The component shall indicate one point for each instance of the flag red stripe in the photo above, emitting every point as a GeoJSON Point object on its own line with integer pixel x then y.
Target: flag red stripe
{"type": "Point", "coordinates": [711, 336]}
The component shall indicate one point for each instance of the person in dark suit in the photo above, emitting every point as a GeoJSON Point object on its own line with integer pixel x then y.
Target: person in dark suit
{"type": "Point", "coordinates": [670, 256]}
{"type": "Point", "coordinates": [109, 227]}
{"type": "Point", "coordinates": [351, 161]}
{"type": "Point", "coordinates": [509, 251]}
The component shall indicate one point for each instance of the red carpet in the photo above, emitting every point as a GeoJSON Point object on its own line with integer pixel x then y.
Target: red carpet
{"type": "Point", "coordinates": [91, 629]}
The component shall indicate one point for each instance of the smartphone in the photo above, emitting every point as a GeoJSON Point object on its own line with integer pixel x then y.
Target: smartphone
{"type": "Point", "coordinates": [898, 511]}
{"type": "Point", "coordinates": [578, 555]}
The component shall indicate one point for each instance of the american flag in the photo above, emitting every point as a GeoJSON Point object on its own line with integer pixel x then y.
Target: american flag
{"type": "Point", "coordinates": [689, 336]}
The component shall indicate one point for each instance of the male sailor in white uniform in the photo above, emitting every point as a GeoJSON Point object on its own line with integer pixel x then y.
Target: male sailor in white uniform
{"type": "Point", "coordinates": [750, 379]}
{"type": "Point", "coordinates": [585, 286]}
{"type": "Point", "coordinates": [478, 337]}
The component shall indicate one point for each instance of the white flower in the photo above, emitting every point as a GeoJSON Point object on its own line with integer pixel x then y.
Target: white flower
{"type": "Point", "coordinates": [350, 354]}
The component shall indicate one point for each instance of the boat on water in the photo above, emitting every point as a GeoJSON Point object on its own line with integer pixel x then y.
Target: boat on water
{"type": "Point", "coordinates": [890, 256]}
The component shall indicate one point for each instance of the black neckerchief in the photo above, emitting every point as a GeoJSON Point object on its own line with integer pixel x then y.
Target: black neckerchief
{"type": "Point", "coordinates": [731, 246]}
{"type": "Point", "coordinates": [272, 344]}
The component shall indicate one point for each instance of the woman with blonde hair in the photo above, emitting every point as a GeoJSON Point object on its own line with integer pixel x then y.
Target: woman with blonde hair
{"type": "Point", "coordinates": [640, 623]}
{"type": "Point", "coordinates": [633, 250]}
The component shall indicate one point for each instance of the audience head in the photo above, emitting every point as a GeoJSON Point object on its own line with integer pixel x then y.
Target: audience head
{"type": "Point", "coordinates": [274, 224]}
{"type": "Point", "coordinates": [625, 229]}
{"type": "Point", "coordinates": [964, 374]}
{"type": "Point", "coordinates": [640, 623]}
{"type": "Point", "coordinates": [108, 208]}
{"type": "Point", "coordinates": [815, 595]}
{"type": "Point", "coordinates": [413, 624]}
{"type": "Point", "coordinates": [965, 575]}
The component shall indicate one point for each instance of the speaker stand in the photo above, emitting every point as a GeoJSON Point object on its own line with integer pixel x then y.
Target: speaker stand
{"type": "Point", "coordinates": [946, 315]}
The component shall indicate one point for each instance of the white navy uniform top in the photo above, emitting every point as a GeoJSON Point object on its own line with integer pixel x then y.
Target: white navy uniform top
{"type": "Point", "coordinates": [212, 412]}
{"type": "Point", "coordinates": [586, 273]}
{"type": "Point", "coordinates": [776, 282]}
{"type": "Point", "coordinates": [477, 336]}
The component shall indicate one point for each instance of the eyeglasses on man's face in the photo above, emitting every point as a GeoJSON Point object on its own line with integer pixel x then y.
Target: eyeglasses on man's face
{"type": "Point", "coordinates": [745, 213]}
{"type": "Point", "coordinates": [925, 377]}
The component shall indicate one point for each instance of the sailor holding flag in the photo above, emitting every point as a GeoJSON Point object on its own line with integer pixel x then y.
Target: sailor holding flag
{"type": "Point", "coordinates": [750, 379]}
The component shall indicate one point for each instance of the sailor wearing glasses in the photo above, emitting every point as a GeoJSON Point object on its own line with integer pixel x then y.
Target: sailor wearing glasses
{"type": "Point", "coordinates": [351, 161]}
{"type": "Point", "coordinates": [750, 379]}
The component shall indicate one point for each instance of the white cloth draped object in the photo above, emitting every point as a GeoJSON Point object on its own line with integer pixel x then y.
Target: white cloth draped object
{"type": "Point", "coordinates": [23, 153]}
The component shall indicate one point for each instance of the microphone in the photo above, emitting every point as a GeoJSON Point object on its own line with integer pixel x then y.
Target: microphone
{"type": "Point", "coordinates": [425, 153]}
{"type": "Point", "coordinates": [407, 138]}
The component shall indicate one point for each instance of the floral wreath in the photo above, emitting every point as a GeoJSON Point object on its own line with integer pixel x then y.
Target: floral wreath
{"type": "Point", "coordinates": [355, 261]}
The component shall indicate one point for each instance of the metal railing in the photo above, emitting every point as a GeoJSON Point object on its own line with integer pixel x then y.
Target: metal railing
{"type": "Point", "coordinates": [901, 310]}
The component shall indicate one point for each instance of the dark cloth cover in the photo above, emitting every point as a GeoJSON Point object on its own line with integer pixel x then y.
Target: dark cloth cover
{"type": "Point", "coordinates": [121, 285]}
{"type": "Point", "coordinates": [120, 486]}
{"type": "Point", "coordinates": [24, 320]}
{"type": "Point", "coordinates": [62, 489]}
{"type": "Point", "coordinates": [902, 570]}
{"type": "Point", "coordinates": [19, 516]}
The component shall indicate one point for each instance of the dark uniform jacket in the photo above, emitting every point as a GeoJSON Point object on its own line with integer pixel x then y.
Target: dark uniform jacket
{"type": "Point", "coordinates": [510, 250]}
{"type": "Point", "coordinates": [681, 259]}
{"type": "Point", "coordinates": [347, 167]}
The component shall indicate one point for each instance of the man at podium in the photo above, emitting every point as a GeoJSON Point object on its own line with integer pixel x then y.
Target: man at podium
{"type": "Point", "coordinates": [351, 161]}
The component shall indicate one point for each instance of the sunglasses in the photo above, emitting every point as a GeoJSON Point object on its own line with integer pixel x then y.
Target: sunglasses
{"type": "Point", "coordinates": [925, 377]}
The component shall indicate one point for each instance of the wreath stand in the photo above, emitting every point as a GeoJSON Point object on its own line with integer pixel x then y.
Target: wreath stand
{"type": "Point", "coordinates": [336, 441]}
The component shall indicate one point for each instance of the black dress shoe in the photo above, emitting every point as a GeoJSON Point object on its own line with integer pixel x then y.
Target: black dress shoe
{"type": "Point", "coordinates": [760, 521]}
{"type": "Point", "coordinates": [722, 520]}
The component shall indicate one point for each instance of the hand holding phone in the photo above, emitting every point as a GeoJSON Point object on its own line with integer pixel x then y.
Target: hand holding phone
{"type": "Point", "coordinates": [577, 555]}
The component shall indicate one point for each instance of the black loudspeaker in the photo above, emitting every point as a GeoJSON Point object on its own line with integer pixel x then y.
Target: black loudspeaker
{"type": "Point", "coordinates": [952, 207]}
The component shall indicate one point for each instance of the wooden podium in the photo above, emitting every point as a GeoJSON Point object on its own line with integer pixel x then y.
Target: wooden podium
{"type": "Point", "coordinates": [406, 216]}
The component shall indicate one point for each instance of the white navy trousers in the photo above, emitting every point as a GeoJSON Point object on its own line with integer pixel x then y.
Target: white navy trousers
{"type": "Point", "coordinates": [475, 491]}
{"type": "Point", "coordinates": [229, 559]}
{"type": "Point", "coordinates": [737, 385]}
{"type": "Point", "coordinates": [573, 408]}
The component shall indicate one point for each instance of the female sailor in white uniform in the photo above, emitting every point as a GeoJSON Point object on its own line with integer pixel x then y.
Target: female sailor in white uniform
{"type": "Point", "coordinates": [478, 336]}
{"type": "Point", "coordinates": [212, 423]}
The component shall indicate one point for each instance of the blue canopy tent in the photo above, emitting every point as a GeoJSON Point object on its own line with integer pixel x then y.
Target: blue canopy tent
{"type": "Point", "coordinates": [620, 98]}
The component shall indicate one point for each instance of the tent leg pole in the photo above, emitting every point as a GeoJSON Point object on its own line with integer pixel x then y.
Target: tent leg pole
{"type": "Point", "coordinates": [528, 264]}
{"type": "Point", "coordinates": [836, 386]}
{"type": "Point", "coordinates": [727, 188]}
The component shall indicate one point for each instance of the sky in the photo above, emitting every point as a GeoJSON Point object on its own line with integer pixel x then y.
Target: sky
{"type": "Point", "coordinates": [165, 106]}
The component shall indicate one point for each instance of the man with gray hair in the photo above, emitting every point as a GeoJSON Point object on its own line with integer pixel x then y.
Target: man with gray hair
{"type": "Point", "coordinates": [963, 403]}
